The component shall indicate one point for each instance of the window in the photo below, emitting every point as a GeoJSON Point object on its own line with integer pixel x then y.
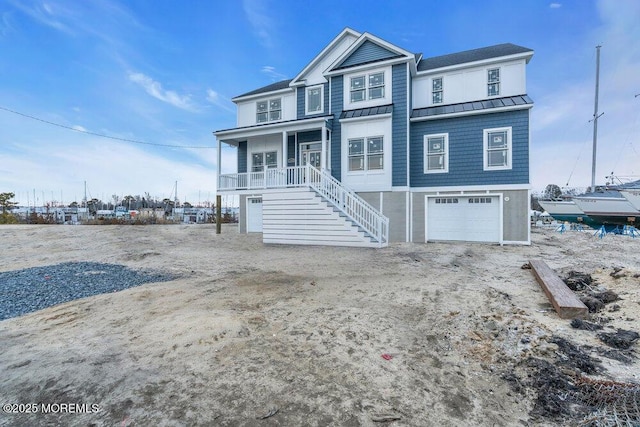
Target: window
{"type": "Point", "coordinates": [493, 79]}
{"type": "Point", "coordinates": [315, 99]}
{"type": "Point", "coordinates": [497, 149]}
{"type": "Point", "coordinates": [436, 90]}
{"type": "Point", "coordinates": [367, 87]}
{"type": "Point", "coordinates": [269, 110]}
{"type": "Point", "coordinates": [446, 200]}
{"type": "Point", "coordinates": [436, 149]}
{"type": "Point", "coordinates": [366, 154]}
{"type": "Point", "coordinates": [260, 160]}
{"type": "Point", "coordinates": [480, 200]}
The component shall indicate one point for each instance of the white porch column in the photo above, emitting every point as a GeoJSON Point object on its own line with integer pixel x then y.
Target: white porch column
{"type": "Point", "coordinates": [323, 155]}
{"type": "Point", "coordinates": [284, 149]}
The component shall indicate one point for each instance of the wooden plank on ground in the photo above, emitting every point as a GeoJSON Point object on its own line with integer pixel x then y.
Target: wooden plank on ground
{"type": "Point", "coordinates": [565, 302]}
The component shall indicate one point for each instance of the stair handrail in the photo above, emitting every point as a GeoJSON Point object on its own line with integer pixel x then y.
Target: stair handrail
{"type": "Point", "coordinates": [347, 201]}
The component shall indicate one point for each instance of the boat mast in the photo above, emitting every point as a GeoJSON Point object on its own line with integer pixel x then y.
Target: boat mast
{"type": "Point", "coordinates": [595, 121]}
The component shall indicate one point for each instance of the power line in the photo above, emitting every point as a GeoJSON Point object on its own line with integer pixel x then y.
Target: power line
{"type": "Point", "coordinates": [102, 135]}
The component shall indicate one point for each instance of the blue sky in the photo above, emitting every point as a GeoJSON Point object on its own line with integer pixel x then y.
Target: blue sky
{"type": "Point", "coordinates": [163, 73]}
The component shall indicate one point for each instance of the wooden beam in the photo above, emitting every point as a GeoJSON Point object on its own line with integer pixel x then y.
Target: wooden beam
{"type": "Point", "coordinates": [565, 302]}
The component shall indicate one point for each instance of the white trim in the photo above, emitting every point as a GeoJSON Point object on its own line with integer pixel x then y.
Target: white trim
{"type": "Point", "coordinates": [361, 40]}
{"type": "Point", "coordinates": [407, 215]}
{"type": "Point", "coordinates": [306, 99]}
{"type": "Point", "coordinates": [485, 149]}
{"type": "Point", "coordinates": [498, 59]}
{"type": "Point", "coordinates": [258, 130]}
{"type": "Point", "coordinates": [347, 31]}
{"type": "Point", "coordinates": [262, 95]}
{"type": "Point", "coordinates": [409, 99]}
{"type": "Point", "coordinates": [411, 217]}
{"type": "Point", "coordinates": [425, 142]}
{"type": "Point", "coordinates": [362, 118]}
{"type": "Point", "coordinates": [473, 112]}
{"type": "Point", "coordinates": [462, 189]}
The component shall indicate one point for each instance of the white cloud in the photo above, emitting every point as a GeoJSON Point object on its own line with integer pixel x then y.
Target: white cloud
{"type": "Point", "coordinates": [256, 12]}
{"type": "Point", "coordinates": [219, 101]}
{"type": "Point", "coordinates": [156, 90]}
{"type": "Point", "coordinates": [555, 5]}
{"type": "Point", "coordinates": [79, 128]}
{"type": "Point", "coordinates": [272, 73]}
{"type": "Point", "coordinates": [45, 15]}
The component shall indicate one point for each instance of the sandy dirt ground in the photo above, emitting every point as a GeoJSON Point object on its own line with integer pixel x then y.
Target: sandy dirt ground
{"type": "Point", "coordinates": [438, 334]}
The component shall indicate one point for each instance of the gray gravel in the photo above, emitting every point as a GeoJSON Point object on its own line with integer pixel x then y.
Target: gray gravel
{"type": "Point", "coordinates": [32, 289]}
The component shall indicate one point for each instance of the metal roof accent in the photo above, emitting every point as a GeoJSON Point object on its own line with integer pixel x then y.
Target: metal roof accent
{"type": "Point", "coordinates": [488, 104]}
{"type": "Point", "coordinates": [284, 84]}
{"type": "Point", "coordinates": [364, 112]}
{"type": "Point", "coordinates": [473, 55]}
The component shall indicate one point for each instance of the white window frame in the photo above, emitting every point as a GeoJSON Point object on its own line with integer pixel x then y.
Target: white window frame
{"type": "Point", "coordinates": [268, 111]}
{"type": "Point", "coordinates": [264, 166]}
{"type": "Point", "coordinates": [439, 91]}
{"type": "Point", "coordinates": [508, 148]}
{"type": "Point", "coordinates": [491, 83]}
{"type": "Point", "coordinates": [367, 87]}
{"type": "Point", "coordinates": [365, 154]}
{"type": "Point", "coordinates": [445, 137]}
{"type": "Point", "coordinates": [306, 99]}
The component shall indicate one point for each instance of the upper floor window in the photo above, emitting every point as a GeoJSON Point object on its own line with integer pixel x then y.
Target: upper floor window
{"type": "Point", "coordinates": [315, 99]}
{"type": "Point", "coordinates": [367, 87]}
{"type": "Point", "coordinates": [436, 149]}
{"type": "Point", "coordinates": [493, 82]}
{"type": "Point", "coordinates": [436, 90]}
{"type": "Point", "coordinates": [366, 154]}
{"type": "Point", "coordinates": [497, 149]}
{"type": "Point", "coordinates": [270, 110]}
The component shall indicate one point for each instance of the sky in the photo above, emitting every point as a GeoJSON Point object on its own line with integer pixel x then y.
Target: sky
{"type": "Point", "coordinates": [122, 97]}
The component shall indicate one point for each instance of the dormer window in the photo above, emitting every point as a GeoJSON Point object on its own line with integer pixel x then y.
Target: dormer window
{"type": "Point", "coordinates": [267, 111]}
{"type": "Point", "coordinates": [493, 79]}
{"type": "Point", "coordinates": [367, 87]}
{"type": "Point", "coordinates": [315, 100]}
{"type": "Point", "coordinates": [436, 90]}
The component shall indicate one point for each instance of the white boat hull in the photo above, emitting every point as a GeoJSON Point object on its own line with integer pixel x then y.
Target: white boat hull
{"type": "Point", "coordinates": [633, 196]}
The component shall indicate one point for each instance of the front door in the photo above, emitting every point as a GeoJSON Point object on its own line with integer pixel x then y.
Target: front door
{"type": "Point", "coordinates": [311, 153]}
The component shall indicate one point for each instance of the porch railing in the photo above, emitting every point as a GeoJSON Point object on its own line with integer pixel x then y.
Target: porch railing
{"type": "Point", "coordinates": [355, 207]}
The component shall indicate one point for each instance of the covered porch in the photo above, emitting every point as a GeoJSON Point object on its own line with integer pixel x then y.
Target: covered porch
{"type": "Point", "coordinates": [275, 155]}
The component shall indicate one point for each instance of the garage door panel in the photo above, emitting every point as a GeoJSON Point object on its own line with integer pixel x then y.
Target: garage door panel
{"type": "Point", "coordinates": [464, 218]}
{"type": "Point", "coordinates": [254, 215]}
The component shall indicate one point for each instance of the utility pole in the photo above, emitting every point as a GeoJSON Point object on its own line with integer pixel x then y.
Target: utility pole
{"type": "Point", "coordinates": [595, 121]}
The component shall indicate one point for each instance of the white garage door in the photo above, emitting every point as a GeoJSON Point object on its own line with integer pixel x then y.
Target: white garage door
{"type": "Point", "coordinates": [254, 215]}
{"type": "Point", "coordinates": [466, 218]}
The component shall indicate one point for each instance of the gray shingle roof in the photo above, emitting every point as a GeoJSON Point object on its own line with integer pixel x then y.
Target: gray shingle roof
{"type": "Point", "coordinates": [496, 51]}
{"type": "Point", "coordinates": [363, 112]}
{"type": "Point", "coordinates": [269, 88]}
{"type": "Point", "coordinates": [507, 101]}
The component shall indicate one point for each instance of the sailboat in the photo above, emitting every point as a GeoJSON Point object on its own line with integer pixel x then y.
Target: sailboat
{"type": "Point", "coordinates": [602, 206]}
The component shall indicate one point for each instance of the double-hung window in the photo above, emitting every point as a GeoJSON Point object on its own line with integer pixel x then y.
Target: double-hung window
{"type": "Point", "coordinates": [367, 87]}
{"type": "Point", "coordinates": [262, 161]}
{"type": "Point", "coordinates": [493, 82]}
{"type": "Point", "coordinates": [315, 100]}
{"type": "Point", "coordinates": [436, 90]}
{"type": "Point", "coordinates": [436, 149]}
{"type": "Point", "coordinates": [270, 110]}
{"type": "Point", "coordinates": [366, 154]}
{"type": "Point", "coordinates": [497, 149]}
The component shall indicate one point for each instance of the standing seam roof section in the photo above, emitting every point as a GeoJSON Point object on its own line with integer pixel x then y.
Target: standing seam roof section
{"type": "Point", "coordinates": [284, 84]}
{"type": "Point", "coordinates": [473, 55]}
{"type": "Point", "coordinates": [473, 106]}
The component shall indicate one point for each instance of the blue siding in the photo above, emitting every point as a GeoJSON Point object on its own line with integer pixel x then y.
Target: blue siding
{"type": "Point", "coordinates": [466, 150]}
{"type": "Point", "coordinates": [291, 150]}
{"type": "Point", "coordinates": [242, 157]}
{"type": "Point", "coordinates": [399, 126]}
{"type": "Point", "coordinates": [336, 134]}
{"type": "Point", "coordinates": [301, 109]}
{"type": "Point", "coordinates": [367, 52]}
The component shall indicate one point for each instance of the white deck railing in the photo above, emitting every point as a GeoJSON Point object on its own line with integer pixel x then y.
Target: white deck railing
{"type": "Point", "coordinates": [321, 181]}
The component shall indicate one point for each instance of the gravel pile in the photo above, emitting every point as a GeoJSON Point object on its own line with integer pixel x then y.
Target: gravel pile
{"type": "Point", "coordinates": [32, 289]}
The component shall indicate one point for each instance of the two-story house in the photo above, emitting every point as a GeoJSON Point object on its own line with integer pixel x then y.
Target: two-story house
{"type": "Point", "coordinates": [371, 144]}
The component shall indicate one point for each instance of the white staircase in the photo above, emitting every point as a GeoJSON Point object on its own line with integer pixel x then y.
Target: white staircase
{"type": "Point", "coordinates": [302, 217]}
